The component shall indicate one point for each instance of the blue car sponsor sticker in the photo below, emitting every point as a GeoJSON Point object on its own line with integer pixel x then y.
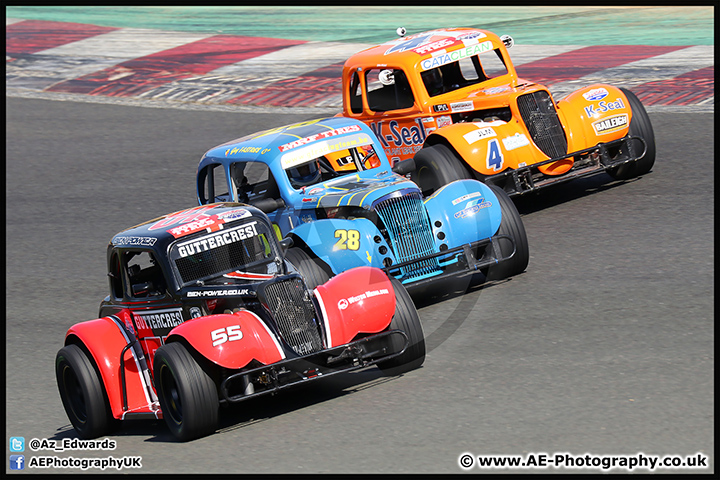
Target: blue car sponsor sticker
{"type": "Point", "coordinates": [467, 212]}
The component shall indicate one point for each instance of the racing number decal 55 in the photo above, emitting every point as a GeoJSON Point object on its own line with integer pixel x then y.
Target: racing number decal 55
{"type": "Point", "coordinates": [228, 334]}
{"type": "Point", "coordinates": [348, 239]}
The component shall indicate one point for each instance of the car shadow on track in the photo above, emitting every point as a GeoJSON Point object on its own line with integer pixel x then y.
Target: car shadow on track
{"type": "Point", "coordinates": [256, 410]}
{"type": "Point", "coordinates": [126, 428]}
{"type": "Point", "coordinates": [261, 409]}
{"type": "Point", "coordinates": [567, 192]}
{"type": "Point", "coordinates": [455, 316]}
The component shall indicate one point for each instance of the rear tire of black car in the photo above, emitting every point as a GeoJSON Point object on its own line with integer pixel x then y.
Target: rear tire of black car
{"type": "Point", "coordinates": [307, 266]}
{"type": "Point", "coordinates": [640, 126]}
{"type": "Point", "coordinates": [82, 393]}
{"type": "Point", "coordinates": [405, 319]}
{"type": "Point", "coordinates": [511, 225]}
{"type": "Point", "coordinates": [188, 396]}
{"type": "Point", "coordinates": [436, 166]}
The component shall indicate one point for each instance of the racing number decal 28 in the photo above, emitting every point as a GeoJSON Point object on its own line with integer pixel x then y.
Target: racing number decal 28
{"type": "Point", "coordinates": [494, 156]}
{"type": "Point", "coordinates": [349, 240]}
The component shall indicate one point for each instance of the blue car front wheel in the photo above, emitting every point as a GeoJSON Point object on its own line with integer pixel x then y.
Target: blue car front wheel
{"type": "Point", "coordinates": [307, 267]}
{"type": "Point", "coordinates": [512, 226]}
{"type": "Point", "coordinates": [406, 319]}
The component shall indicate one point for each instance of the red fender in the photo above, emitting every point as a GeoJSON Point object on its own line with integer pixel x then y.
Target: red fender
{"type": "Point", "coordinates": [360, 300]}
{"type": "Point", "coordinates": [105, 341]}
{"type": "Point", "coordinates": [230, 340]}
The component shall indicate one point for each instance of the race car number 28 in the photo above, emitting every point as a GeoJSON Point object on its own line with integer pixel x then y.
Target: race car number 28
{"type": "Point", "coordinates": [348, 239]}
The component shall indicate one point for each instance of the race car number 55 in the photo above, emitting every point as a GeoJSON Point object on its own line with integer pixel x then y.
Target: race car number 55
{"type": "Point", "coordinates": [228, 334]}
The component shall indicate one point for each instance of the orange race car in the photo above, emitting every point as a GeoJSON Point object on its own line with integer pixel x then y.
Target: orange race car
{"type": "Point", "coordinates": [449, 105]}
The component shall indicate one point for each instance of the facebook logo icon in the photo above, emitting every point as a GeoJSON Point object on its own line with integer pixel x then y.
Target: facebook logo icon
{"type": "Point", "coordinates": [17, 462]}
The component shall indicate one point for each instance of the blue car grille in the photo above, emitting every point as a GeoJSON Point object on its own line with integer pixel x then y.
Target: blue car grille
{"type": "Point", "coordinates": [408, 229]}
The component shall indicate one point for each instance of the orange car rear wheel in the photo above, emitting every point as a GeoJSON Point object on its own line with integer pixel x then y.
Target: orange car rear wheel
{"type": "Point", "coordinates": [307, 267]}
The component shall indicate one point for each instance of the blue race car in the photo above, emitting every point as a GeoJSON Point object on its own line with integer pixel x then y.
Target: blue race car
{"type": "Point", "coordinates": [332, 194]}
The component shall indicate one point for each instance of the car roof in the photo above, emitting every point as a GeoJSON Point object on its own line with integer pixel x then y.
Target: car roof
{"type": "Point", "coordinates": [158, 233]}
{"type": "Point", "coordinates": [268, 145]}
{"type": "Point", "coordinates": [409, 51]}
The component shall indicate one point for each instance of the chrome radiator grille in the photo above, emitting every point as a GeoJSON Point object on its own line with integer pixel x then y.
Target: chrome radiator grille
{"type": "Point", "coordinates": [409, 231]}
{"type": "Point", "coordinates": [294, 315]}
{"type": "Point", "coordinates": [538, 113]}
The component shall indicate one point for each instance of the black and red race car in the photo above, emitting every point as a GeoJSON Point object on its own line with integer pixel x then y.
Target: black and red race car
{"type": "Point", "coordinates": [204, 309]}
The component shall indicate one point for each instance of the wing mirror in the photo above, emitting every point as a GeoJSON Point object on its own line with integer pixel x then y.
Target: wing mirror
{"type": "Point", "coordinates": [286, 243]}
{"type": "Point", "coordinates": [268, 205]}
{"type": "Point", "coordinates": [404, 167]}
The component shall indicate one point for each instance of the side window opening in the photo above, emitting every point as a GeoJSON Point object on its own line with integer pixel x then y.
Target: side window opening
{"type": "Point", "coordinates": [145, 277]}
{"type": "Point", "coordinates": [494, 65]}
{"type": "Point", "coordinates": [205, 192]}
{"type": "Point", "coordinates": [254, 181]}
{"type": "Point", "coordinates": [355, 94]}
{"type": "Point", "coordinates": [214, 185]}
{"type": "Point", "coordinates": [388, 89]}
{"type": "Point", "coordinates": [115, 277]}
{"type": "Point", "coordinates": [221, 185]}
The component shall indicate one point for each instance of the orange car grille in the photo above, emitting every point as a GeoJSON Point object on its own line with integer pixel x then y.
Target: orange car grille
{"type": "Point", "coordinates": [538, 113]}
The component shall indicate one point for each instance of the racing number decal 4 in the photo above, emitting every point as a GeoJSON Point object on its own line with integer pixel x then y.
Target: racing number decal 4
{"type": "Point", "coordinates": [228, 334]}
{"type": "Point", "coordinates": [349, 239]}
{"type": "Point", "coordinates": [494, 158]}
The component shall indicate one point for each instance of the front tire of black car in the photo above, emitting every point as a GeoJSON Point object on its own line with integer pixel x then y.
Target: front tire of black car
{"type": "Point", "coordinates": [307, 267]}
{"type": "Point", "coordinates": [436, 166]}
{"type": "Point", "coordinates": [640, 126]}
{"type": "Point", "coordinates": [188, 396]}
{"type": "Point", "coordinates": [511, 225]}
{"type": "Point", "coordinates": [405, 319]}
{"type": "Point", "coordinates": [82, 393]}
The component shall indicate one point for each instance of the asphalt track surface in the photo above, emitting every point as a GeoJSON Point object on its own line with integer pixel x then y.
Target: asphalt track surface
{"type": "Point", "coordinates": [604, 346]}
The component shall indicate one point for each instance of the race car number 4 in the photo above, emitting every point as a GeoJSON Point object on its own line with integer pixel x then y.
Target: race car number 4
{"type": "Point", "coordinates": [494, 158]}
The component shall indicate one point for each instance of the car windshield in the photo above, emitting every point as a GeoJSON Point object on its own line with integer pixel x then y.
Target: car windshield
{"type": "Point", "coordinates": [241, 250]}
{"type": "Point", "coordinates": [462, 73]}
{"type": "Point", "coordinates": [305, 168]}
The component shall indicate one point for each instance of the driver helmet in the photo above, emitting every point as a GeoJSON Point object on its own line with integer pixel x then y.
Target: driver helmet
{"type": "Point", "coordinates": [304, 175]}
